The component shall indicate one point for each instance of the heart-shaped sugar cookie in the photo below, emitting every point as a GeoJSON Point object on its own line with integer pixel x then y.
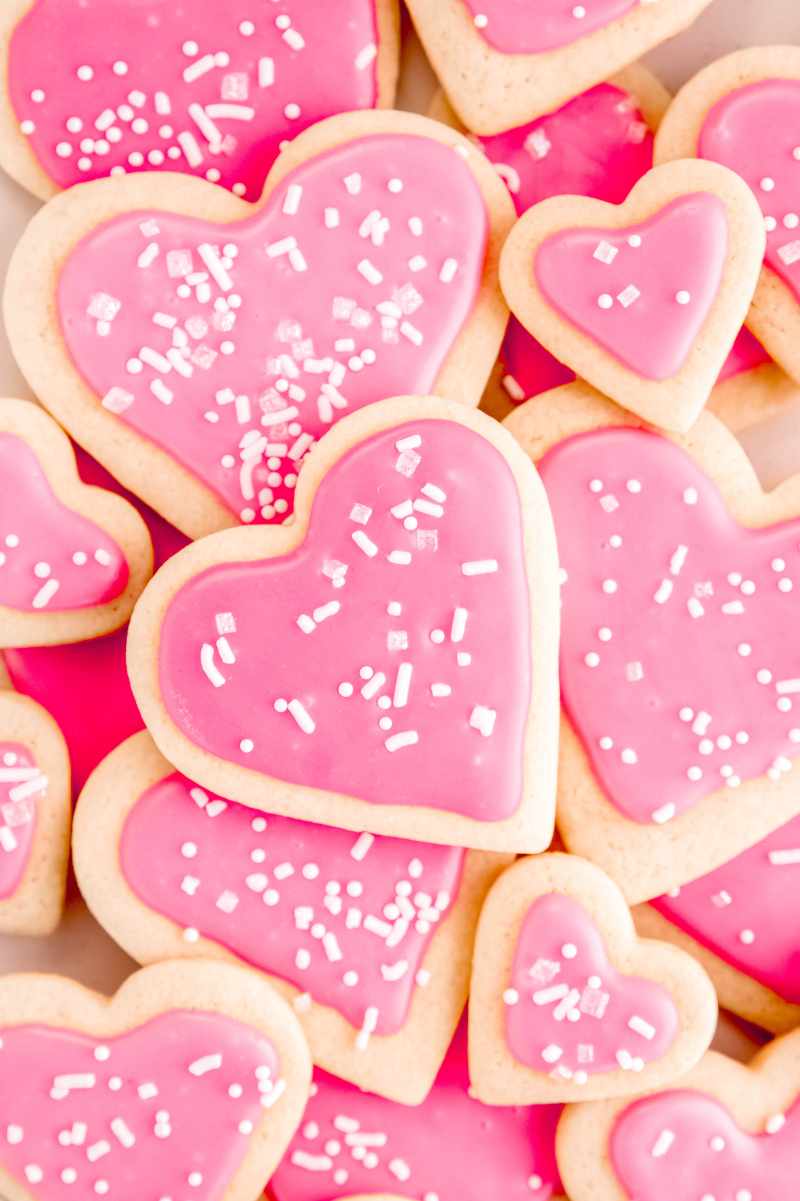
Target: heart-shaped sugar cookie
{"type": "Point", "coordinates": [566, 1003]}
{"type": "Point", "coordinates": [198, 346]}
{"type": "Point", "coordinates": [387, 662]}
{"type": "Point", "coordinates": [210, 90]}
{"type": "Point", "coordinates": [592, 280]}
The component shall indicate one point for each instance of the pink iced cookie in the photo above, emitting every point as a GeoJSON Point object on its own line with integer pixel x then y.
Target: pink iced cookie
{"type": "Point", "coordinates": [358, 668]}
{"type": "Point", "coordinates": [119, 86]}
{"type": "Point", "coordinates": [514, 27]}
{"type": "Point", "coordinates": [161, 1091]}
{"type": "Point", "coordinates": [219, 356]}
{"type": "Point", "coordinates": [451, 1146]}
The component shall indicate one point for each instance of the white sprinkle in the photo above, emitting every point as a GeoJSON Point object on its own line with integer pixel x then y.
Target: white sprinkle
{"type": "Point", "coordinates": [479, 567]}
{"type": "Point", "coordinates": [396, 742]}
{"type": "Point", "coordinates": [365, 543]}
{"type": "Point", "coordinates": [402, 685]}
{"type": "Point", "coordinates": [784, 857]}
{"type": "Point", "coordinates": [662, 1144]}
{"type": "Point", "coordinates": [640, 1026]}
{"type": "Point", "coordinates": [302, 717]}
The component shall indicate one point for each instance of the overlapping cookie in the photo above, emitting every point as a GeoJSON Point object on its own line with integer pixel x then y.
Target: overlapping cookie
{"type": "Point", "coordinates": [190, 1081]}
{"type": "Point", "coordinates": [504, 62]}
{"type": "Point", "coordinates": [566, 1003]}
{"type": "Point", "coordinates": [370, 938]}
{"type": "Point", "coordinates": [725, 1130]}
{"type": "Point", "coordinates": [73, 559]}
{"type": "Point", "coordinates": [35, 817]}
{"type": "Point", "coordinates": [592, 281]}
{"type": "Point", "coordinates": [678, 656]}
{"type": "Point", "coordinates": [209, 90]}
{"type": "Point", "coordinates": [197, 346]}
{"type": "Point", "coordinates": [386, 662]}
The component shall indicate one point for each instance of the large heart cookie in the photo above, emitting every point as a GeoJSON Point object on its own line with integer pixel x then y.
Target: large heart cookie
{"type": "Point", "coordinates": [159, 85]}
{"type": "Point", "coordinates": [388, 661]}
{"type": "Point", "coordinates": [566, 1003]}
{"type": "Point", "coordinates": [192, 1079]}
{"type": "Point", "coordinates": [743, 111]}
{"type": "Point", "coordinates": [201, 346]}
{"type": "Point", "coordinates": [370, 937]}
{"type": "Point", "coordinates": [451, 1146]}
{"type": "Point", "coordinates": [725, 1131]}
{"type": "Point", "coordinates": [678, 662]}
{"type": "Point", "coordinates": [504, 62]}
{"type": "Point", "coordinates": [591, 280]}
{"type": "Point", "coordinates": [73, 559]}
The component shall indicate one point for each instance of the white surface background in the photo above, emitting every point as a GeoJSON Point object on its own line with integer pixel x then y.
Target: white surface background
{"type": "Point", "coordinates": [79, 948]}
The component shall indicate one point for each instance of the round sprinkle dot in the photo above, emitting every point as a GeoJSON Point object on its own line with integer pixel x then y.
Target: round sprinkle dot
{"type": "Point", "coordinates": [604, 634]}
{"type": "Point", "coordinates": [579, 12]}
{"type": "Point", "coordinates": [292, 111]}
{"type": "Point", "coordinates": [37, 96]}
{"type": "Point", "coordinates": [281, 705]}
{"type": "Point", "coordinates": [41, 571]}
{"type": "Point", "coordinates": [511, 996]}
{"type": "Point", "coordinates": [120, 67]}
{"type": "Point", "coordinates": [246, 746]}
{"type": "Point", "coordinates": [695, 773]}
{"type": "Point", "coordinates": [717, 1143]}
{"type": "Point", "coordinates": [767, 184]}
{"type": "Point", "coordinates": [85, 74]}
{"type": "Point", "coordinates": [102, 1053]}
{"type": "Point", "coordinates": [683, 297]}
{"type": "Point", "coordinates": [481, 20]}
{"type": "Point", "coordinates": [770, 224]}
{"type": "Point", "coordinates": [28, 127]}
{"type": "Point", "coordinates": [345, 689]}
{"type": "Point", "coordinates": [610, 587]}
{"type": "Point", "coordinates": [764, 676]}
{"type": "Point", "coordinates": [190, 49]}
{"type": "Point", "coordinates": [606, 743]}
{"type": "Point", "coordinates": [592, 659]}
{"type": "Point", "coordinates": [635, 240]}
{"type": "Point", "coordinates": [634, 486]}
{"type": "Point", "coordinates": [605, 301]}
{"type": "Point", "coordinates": [247, 29]}
{"type": "Point", "coordinates": [189, 850]}
{"type": "Point", "coordinates": [245, 1126]}
{"type": "Point", "coordinates": [437, 636]}
{"type": "Point", "coordinates": [747, 937]}
{"type": "Point", "coordinates": [744, 649]}
{"type": "Point", "coordinates": [791, 220]}
{"type": "Point", "coordinates": [569, 950]}
{"type": "Point", "coordinates": [785, 585]}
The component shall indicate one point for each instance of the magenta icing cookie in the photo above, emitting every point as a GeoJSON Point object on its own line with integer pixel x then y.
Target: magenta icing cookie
{"type": "Point", "coordinates": [369, 937]}
{"type": "Point", "coordinates": [742, 111]}
{"type": "Point", "coordinates": [506, 62]}
{"type": "Point", "coordinates": [450, 1147]}
{"type": "Point", "coordinates": [726, 1130]}
{"type": "Point", "coordinates": [566, 1003]}
{"type": "Point", "coordinates": [591, 280]}
{"type": "Point", "coordinates": [73, 559]}
{"type": "Point", "coordinates": [34, 817]}
{"type": "Point", "coordinates": [118, 86]}
{"type": "Point", "coordinates": [387, 662]}
{"type": "Point", "coordinates": [201, 346]}
{"type": "Point", "coordinates": [677, 663]}
{"type": "Point", "coordinates": [190, 1081]}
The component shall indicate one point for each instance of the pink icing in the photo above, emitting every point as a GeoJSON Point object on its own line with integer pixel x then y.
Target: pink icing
{"type": "Point", "coordinates": [678, 660]}
{"type": "Point", "coordinates": [234, 348]}
{"type": "Point", "coordinates": [387, 657]}
{"type": "Point", "coordinates": [569, 1012]}
{"type": "Point", "coordinates": [685, 1146]}
{"type": "Point", "coordinates": [21, 781]}
{"type": "Point", "coordinates": [746, 354]}
{"type": "Point", "coordinates": [618, 286]}
{"type": "Point", "coordinates": [94, 670]}
{"type": "Point", "coordinates": [345, 918]}
{"type": "Point", "coordinates": [107, 86]}
{"type": "Point", "coordinates": [147, 1114]}
{"type": "Point", "coordinates": [520, 27]}
{"type": "Point", "coordinates": [449, 1147]}
{"type": "Point", "coordinates": [753, 130]}
{"type": "Point", "coordinates": [50, 557]}
{"type": "Point", "coordinates": [744, 911]}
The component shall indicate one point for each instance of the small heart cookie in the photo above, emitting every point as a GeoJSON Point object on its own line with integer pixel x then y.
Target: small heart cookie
{"type": "Point", "coordinates": [566, 1003]}
{"type": "Point", "coordinates": [197, 346]}
{"type": "Point", "coordinates": [591, 281]}
{"type": "Point", "coordinates": [451, 1146]}
{"type": "Point", "coordinates": [388, 661]}
{"type": "Point", "coordinates": [679, 665]}
{"type": "Point", "coordinates": [725, 1130]}
{"type": "Point", "coordinates": [370, 938]}
{"type": "Point", "coordinates": [192, 1078]}
{"type": "Point", "coordinates": [743, 111]}
{"type": "Point", "coordinates": [159, 85]}
{"type": "Point", "coordinates": [35, 817]}
{"type": "Point", "coordinates": [73, 559]}
{"type": "Point", "coordinates": [504, 62]}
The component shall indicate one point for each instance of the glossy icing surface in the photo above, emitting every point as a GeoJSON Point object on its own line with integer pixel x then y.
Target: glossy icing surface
{"type": "Point", "coordinates": [375, 659]}
{"type": "Point", "coordinates": [519, 27]}
{"type": "Point", "coordinates": [678, 664]}
{"type": "Point", "coordinates": [235, 347]}
{"type": "Point", "coordinates": [21, 782]}
{"type": "Point", "coordinates": [105, 87]}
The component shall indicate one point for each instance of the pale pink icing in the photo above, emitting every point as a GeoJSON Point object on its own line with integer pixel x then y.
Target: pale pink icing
{"type": "Point", "coordinates": [569, 1012]}
{"type": "Point", "coordinates": [132, 1119]}
{"type": "Point", "coordinates": [520, 27]}
{"type": "Point", "coordinates": [449, 1147]}
{"type": "Point", "coordinates": [21, 782]}
{"type": "Point", "coordinates": [295, 323]}
{"type": "Point", "coordinates": [678, 662]}
{"type": "Point", "coordinates": [745, 911]}
{"type": "Point", "coordinates": [51, 558]}
{"type": "Point", "coordinates": [618, 286]}
{"type": "Point", "coordinates": [753, 130]}
{"type": "Point", "coordinates": [93, 670]}
{"type": "Point", "coordinates": [344, 917]}
{"type": "Point", "coordinates": [685, 1146]}
{"type": "Point", "coordinates": [213, 90]}
{"type": "Point", "coordinates": [399, 640]}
